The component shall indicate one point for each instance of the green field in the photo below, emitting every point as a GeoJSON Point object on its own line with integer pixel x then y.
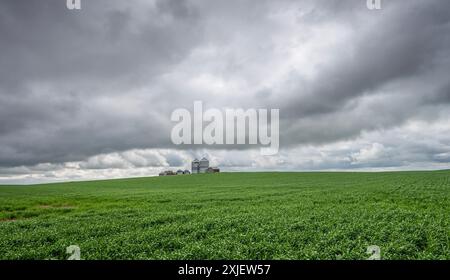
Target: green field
{"type": "Point", "coordinates": [231, 216]}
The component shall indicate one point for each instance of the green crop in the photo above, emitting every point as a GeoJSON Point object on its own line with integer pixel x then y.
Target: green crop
{"type": "Point", "coordinates": [231, 216]}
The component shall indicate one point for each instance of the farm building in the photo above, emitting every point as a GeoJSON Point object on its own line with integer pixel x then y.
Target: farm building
{"type": "Point", "coordinates": [202, 166]}
{"type": "Point", "coordinates": [198, 166]}
{"type": "Point", "coordinates": [195, 166]}
{"type": "Point", "coordinates": [167, 173]}
{"type": "Point", "coordinates": [212, 170]}
{"type": "Point", "coordinates": [171, 173]}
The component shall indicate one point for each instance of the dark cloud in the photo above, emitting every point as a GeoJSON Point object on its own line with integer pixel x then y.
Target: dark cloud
{"type": "Point", "coordinates": [406, 46]}
{"type": "Point", "coordinates": [80, 84]}
{"type": "Point", "coordinates": [60, 68]}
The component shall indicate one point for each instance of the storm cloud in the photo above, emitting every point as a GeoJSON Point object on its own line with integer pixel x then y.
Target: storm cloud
{"type": "Point", "coordinates": [88, 93]}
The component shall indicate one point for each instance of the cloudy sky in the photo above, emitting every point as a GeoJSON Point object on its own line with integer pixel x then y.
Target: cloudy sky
{"type": "Point", "coordinates": [88, 94]}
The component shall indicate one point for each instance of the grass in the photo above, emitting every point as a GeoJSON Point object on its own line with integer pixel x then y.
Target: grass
{"type": "Point", "coordinates": [231, 216]}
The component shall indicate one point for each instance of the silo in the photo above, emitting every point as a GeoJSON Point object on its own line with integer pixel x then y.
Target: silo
{"type": "Point", "coordinates": [195, 166]}
{"type": "Point", "coordinates": [204, 164]}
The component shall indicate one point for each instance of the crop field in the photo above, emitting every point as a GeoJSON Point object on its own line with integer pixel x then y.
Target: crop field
{"type": "Point", "coordinates": [231, 216]}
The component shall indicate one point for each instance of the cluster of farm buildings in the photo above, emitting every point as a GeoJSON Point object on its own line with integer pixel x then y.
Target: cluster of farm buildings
{"type": "Point", "coordinates": [197, 167]}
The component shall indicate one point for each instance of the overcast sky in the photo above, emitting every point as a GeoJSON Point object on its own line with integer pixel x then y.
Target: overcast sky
{"type": "Point", "coordinates": [88, 94]}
